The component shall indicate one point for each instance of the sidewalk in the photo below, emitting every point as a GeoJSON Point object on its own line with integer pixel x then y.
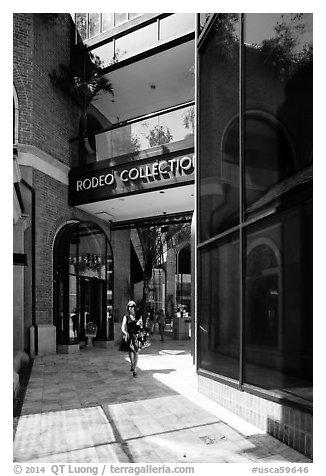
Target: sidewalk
{"type": "Point", "coordinates": [87, 407]}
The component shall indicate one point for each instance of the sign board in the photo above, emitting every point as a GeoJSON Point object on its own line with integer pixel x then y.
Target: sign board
{"type": "Point", "coordinates": [129, 178]}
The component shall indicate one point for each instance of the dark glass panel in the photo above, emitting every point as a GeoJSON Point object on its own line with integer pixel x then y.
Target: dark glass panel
{"type": "Point", "coordinates": [278, 104]}
{"type": "Point", "coordinates": [218, 106]}
{"type": "Point", "coordinates": [218, 296]}
{"type": "Point", "coordinates": [278, 320]}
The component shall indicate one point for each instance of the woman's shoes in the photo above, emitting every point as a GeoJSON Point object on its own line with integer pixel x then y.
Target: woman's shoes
{"type": "Point", "coordinates": [134, 374]}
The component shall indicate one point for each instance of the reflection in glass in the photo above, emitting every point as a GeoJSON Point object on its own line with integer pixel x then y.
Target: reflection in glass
{"type": "Point", "coordinates": [218, 107]}
{"type": "Point", "coordinates": [267, 151]}
{"type": "Point", "coordinates": [278, 351]}
{"type": "Point", "coordinates": [183, 280]}
{"type": "Point", "coordinates": [276, 171]}
{"type": "Point", "coordinates": [83, 269]}
{"type": "Point", "coordinates": [94, 24]}
{"type": "Point", "coordinates": [278, 79]}
{"type": "Point", "coordinates": [218, 296]}
{"type": "Point", "coordinates": [82, 25]}
{"type": "Point", "coordinates": [172, 127]}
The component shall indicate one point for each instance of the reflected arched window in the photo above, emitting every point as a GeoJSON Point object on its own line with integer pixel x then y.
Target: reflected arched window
{"type": "Point", "coordinates": [263, 294]}
{"type": "Point", "coordinates": [268, 156]}
{"type": "Point", "coordinates": [83, 283]}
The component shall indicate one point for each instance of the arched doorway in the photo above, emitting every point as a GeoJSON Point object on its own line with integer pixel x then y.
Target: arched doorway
{"type": "Point", "coordinates": [83, 284]}
{"type": "Point", "coordinates": [264, 294]}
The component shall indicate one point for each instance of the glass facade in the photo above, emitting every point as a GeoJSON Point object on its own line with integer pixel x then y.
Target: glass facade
{"type": "Point", "coordinates": [255, 200]}
{"type": "Point", "coordinates": [92, 24]}
{"type": "Point", "coordinates": [218, 282]}
{"type": "Point", "coordinates": [126, 44]}
{"type": "Point", "coordinates": [176, 126]}
{"type": "Point", "coordinates": [218, 105]}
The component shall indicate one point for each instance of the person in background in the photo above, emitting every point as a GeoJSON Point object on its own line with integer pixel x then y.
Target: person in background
{"type": "Point", "coordinates": [150, 321]}
{"type": "Point", "coordinates": [131, 326]}
{"type": "Point", "coordinates": [161, 323]}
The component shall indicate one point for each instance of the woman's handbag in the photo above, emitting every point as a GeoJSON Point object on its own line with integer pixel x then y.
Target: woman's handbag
{"type": "Point", "coordinates": [143, 340]}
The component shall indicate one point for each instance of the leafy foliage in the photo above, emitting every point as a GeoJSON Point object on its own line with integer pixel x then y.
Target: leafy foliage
{"type": "Point", "coordinates": [159, 135]}
{"type": "Point", "coordinates": [189, 119]}
{"type": "Point", "coordinates": [284, 51]}
{"type": "Point", "coordinates": [83, 80]}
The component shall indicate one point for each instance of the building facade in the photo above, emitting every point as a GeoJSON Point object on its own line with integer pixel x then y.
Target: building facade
{"type": "Point", "coordinates": [254, 219]}
{"type": "Point", "coordinates": [102, 159]}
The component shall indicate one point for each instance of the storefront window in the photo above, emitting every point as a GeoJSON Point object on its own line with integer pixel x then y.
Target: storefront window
{"type": "Point", "coordinates": [218, 107]}
{"type": "Point", "coordinates": [83, 283]}
{"type": "Point", "coordinates": [278, 85]}
{"type": "Point", "coordinates": [278, 350]}
{"type": "Point", "coordinates": [218, 279]}
{"type": "Point", "coordinates": [255, 181]}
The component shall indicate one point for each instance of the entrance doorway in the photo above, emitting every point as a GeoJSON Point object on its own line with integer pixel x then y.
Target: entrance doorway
{"type": "Point", "coordinates": [92, 305]}
{"type": "Point", "coordinates": [83, 283]}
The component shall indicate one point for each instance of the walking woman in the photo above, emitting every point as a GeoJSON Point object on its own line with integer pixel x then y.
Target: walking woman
{"type": "Point", "coordinates": [130, 327]}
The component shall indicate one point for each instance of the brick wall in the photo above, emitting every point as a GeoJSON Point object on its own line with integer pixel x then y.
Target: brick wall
{"type": "Point", "coordinates": [47, 120]}
{"type": "Point", "coordinates": [51, 212]}
{"type": "Point", "coordinates": [47, 116]}
{"type": "Point", "coordinates": [23, 40]}
{"type": "Point", "coordinates": [292, 426]}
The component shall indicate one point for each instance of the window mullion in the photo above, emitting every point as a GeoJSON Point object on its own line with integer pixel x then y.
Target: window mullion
{"type": "Point", "coordinates": [241, 203]}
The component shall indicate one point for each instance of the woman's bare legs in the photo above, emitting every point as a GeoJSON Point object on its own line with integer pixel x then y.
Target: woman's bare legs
{"type": "Point", "coordinates": [132, 360]}
{"type": "Point", "coordinates": [135, 360]}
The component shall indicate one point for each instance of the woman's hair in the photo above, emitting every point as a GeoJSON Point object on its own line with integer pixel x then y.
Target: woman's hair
{"type": "Point", "coordinates": [131, 303]}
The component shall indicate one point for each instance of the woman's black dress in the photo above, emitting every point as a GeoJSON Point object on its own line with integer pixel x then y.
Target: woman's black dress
{"type": "Point", "coordinates": [130, 344]}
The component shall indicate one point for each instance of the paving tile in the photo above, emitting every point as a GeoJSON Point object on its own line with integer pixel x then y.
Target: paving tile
{"type": "Point", "coordinates": [87, 407]}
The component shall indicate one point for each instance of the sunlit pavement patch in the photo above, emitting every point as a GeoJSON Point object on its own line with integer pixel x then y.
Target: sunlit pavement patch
{"type": "Point", "coordinates": [59, 432]}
